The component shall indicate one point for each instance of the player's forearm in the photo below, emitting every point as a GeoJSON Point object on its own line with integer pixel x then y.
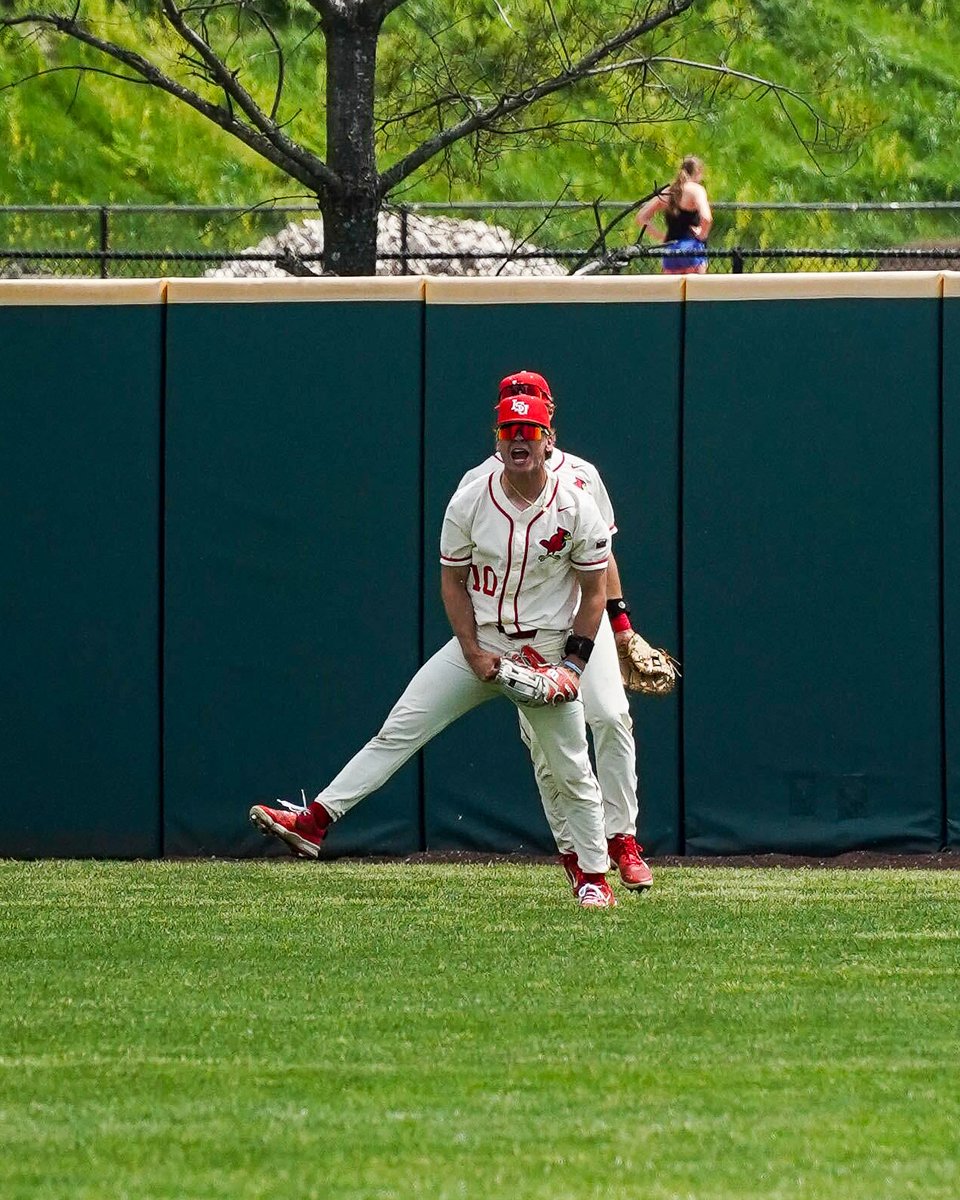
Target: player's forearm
{"type": "Point", "coordinates": [459, 610]}
{"type": "Point", "coordinates": [593, 597]}
{"type": "Point", "coordinates": [614, 586]}
{"type": "Point", "coordinates": [463, 622]}
{"type": "Point", "coordinates": [617, 608]}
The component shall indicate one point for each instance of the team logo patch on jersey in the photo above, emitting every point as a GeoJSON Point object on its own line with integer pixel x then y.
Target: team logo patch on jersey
{"type": "Point", "coordinates": [555, 544]}
{"type": "Point", "coordinates": [580, 483]}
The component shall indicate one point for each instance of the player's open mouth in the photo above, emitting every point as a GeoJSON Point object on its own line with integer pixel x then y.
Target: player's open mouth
{"type": "Point", "coordinates": [519, 454]}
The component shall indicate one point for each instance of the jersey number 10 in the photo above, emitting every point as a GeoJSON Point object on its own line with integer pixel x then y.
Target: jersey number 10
{"type": "Point", "coordinates": [489, 587]}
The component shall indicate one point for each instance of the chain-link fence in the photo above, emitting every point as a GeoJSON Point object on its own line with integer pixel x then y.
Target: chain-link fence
{"type": "Point", "coordinates": [122, 241]}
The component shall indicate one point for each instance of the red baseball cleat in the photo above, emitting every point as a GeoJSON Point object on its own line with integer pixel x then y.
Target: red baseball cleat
{"type": "Point", "coordinates": [571, 864]}
{"type": "Point", "coordinates": [625, 855]}
{"type": "Point", "coordinates": [303, 829]}
{"type": "Point", "coordinates": [595, 892]}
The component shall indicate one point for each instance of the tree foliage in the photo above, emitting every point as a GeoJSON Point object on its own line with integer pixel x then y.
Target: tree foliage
{"type": "Point", "coordinates": [407, 87]}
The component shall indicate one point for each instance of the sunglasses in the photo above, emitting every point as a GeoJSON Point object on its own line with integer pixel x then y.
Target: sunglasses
{"type": "Point", "coordinates": [521, 389]}
{"type": "Point", "coordinates": [529, 433]}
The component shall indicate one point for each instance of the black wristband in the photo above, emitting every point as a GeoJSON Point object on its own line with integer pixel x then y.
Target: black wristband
{"type": "Point", "coordinates": [582, 647]}
{"type": "Point", "coordinates": [617, 608]}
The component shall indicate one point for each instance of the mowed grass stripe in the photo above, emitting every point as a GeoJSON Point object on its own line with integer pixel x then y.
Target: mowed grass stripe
{"type": "Point", "coordinates": [287, 1029]}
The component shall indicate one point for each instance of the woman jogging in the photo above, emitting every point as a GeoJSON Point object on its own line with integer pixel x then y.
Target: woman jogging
{"type": "Point", "coordinates": [688, 218]}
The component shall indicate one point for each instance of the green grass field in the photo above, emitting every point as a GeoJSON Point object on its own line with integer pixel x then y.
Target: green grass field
{"type": "Point", "coordinates": [279, 1029]}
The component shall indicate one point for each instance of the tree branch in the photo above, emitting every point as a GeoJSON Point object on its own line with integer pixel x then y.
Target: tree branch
{"type": "Point", "coordinates": [230, 83]}
{"type": "Point", "coordinates": [510, 104]}
{"type": "Point", "coordinates": [616, 259]}
{"type": "Point", "coordinates": [615, 256]}
{"type": "Point", "coordinates": [281, 65]}
{"type": "Point", "coordinates": [276, 149]}
{"type": "Point", "coordinates": [294, 265]}
{"type": "Point", "coordinates": [518, 246]}
{"type": "Point", "coordinates": [764, 85]}
{"type": "Point", "coordinates": [5, 87]}
{"type": "Point", "coordinates": [568, 61]}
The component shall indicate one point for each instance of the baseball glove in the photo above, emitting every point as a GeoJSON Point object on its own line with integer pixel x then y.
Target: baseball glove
{"type": "Point", "coordinates": [645, 669]}
{"type": "Point", "coordinates": [529, 679]}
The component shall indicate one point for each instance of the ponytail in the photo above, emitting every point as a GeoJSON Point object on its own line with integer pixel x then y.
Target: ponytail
{"type": "Point", "coordinates": [688, 168]}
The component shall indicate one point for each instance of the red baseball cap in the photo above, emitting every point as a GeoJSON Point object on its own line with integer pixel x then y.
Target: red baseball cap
{"type": "Point", "coordinates": [523, 410]}
{"type": "Point", "coordinates": [525, 383]}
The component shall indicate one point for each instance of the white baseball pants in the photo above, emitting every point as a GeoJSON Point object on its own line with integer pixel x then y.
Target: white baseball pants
{"type": "Point", "coordinates": [444, 689]}
{"type": "Point", "coordinates": [607, 712]}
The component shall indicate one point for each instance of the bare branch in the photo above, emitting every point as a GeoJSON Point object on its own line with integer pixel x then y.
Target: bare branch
{"type": "Point", "coordinates": [219, 73]}
{"type": "Point", "coordinates": [269, 143]}
{"type": "Point", "coordinates": [294, 265]}
{"type": "Point", "coordinates": [579, 267]}
{"type": "Point", "coordinates": [260, 206]}
{"type": "Point", "coordinates": [563, 46]}
{"type": "Point", "coordinates": [536, 229]}
{"type": "Point", "coordinates": [762, 85]}
{"type": "Point", "coordinates": [268, 29]}
{"type": "Point", "coordinates": [76, 93]}
{"type": "Point", "coordinates": [5, 87]}
{"type": "Point", "coordinates": [508, 105]}
{"type": "Point", "coordinates": [435, 102]}
{"type": "Point", "coordinates": [612, 261]}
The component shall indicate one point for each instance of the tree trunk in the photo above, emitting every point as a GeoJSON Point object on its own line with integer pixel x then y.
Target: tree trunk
{"type": "Point", "coordinates": [350, 211]}
{"type": "Point", "coordinates": [350, 233]}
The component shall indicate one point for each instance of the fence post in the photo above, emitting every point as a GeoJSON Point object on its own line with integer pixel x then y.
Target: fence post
{"type": "Point", "coordinates": [404, 265]}
{"type": "Point", "coordinates": [104, 239]}
{"type": "Point", "coordinates": [737, 261]}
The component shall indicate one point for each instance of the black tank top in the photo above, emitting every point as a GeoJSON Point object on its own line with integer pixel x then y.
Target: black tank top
{"type": "Point", "coordinates": [680, 223]}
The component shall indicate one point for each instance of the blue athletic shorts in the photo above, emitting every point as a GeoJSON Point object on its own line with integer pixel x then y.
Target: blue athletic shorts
{"type": "Point", "coordinates": [685, 262]}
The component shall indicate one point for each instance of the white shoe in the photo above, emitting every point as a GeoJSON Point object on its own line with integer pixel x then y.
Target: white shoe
{"type": "Point", "coordinates": [596, 895]}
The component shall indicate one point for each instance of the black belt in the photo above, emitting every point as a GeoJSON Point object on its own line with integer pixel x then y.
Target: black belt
{"type": "Point", "coordinates": [521, 633]}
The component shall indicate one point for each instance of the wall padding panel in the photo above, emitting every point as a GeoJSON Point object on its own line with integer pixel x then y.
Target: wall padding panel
{"type": "Point", "coordinates": [293, 489]}
{"type": "Point", "coordinates": [951, 550]}
{"type": "Point", "coordinates": [610, 349]}
{"type": "Point", "coordinates": [811, 564]}
{"type": "Point", "coordinates": [80, 542]}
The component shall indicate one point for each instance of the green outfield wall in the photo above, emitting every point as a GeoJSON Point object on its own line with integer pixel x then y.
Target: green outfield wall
{"type": "Point", "coordinates": [80, 480]}
{"type": "Point", "coordinates": [219, 531]}
{"type": "Point", "coordinates": [292, 570]}
{"type": "Point", "coordinates": [951, 551]}
{"type": "Point", "coordinates": [811, 564]}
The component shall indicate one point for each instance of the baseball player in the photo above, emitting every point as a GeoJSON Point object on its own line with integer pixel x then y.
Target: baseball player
{"type": "Point", "coordinates": [523, 556]}
{"type": "Point", "coordinates": [604, 699]}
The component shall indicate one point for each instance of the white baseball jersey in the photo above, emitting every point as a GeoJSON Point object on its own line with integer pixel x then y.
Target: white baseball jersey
{"type": "Point", "coordinates": [520, 561]}
{"type": "Point", "coordinates": [521, 579]}
{"type": "Point", "coordinates": [582, 474]}
{"type": "Point", "coordinates": [604, 700]}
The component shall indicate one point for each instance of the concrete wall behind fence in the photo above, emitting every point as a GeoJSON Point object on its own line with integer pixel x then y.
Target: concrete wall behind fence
{"type": "Point", "coordinates": [220, 516]}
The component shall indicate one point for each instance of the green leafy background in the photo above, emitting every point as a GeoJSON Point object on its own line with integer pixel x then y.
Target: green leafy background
{"type": "Point", "coordinates": [884, 75]}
